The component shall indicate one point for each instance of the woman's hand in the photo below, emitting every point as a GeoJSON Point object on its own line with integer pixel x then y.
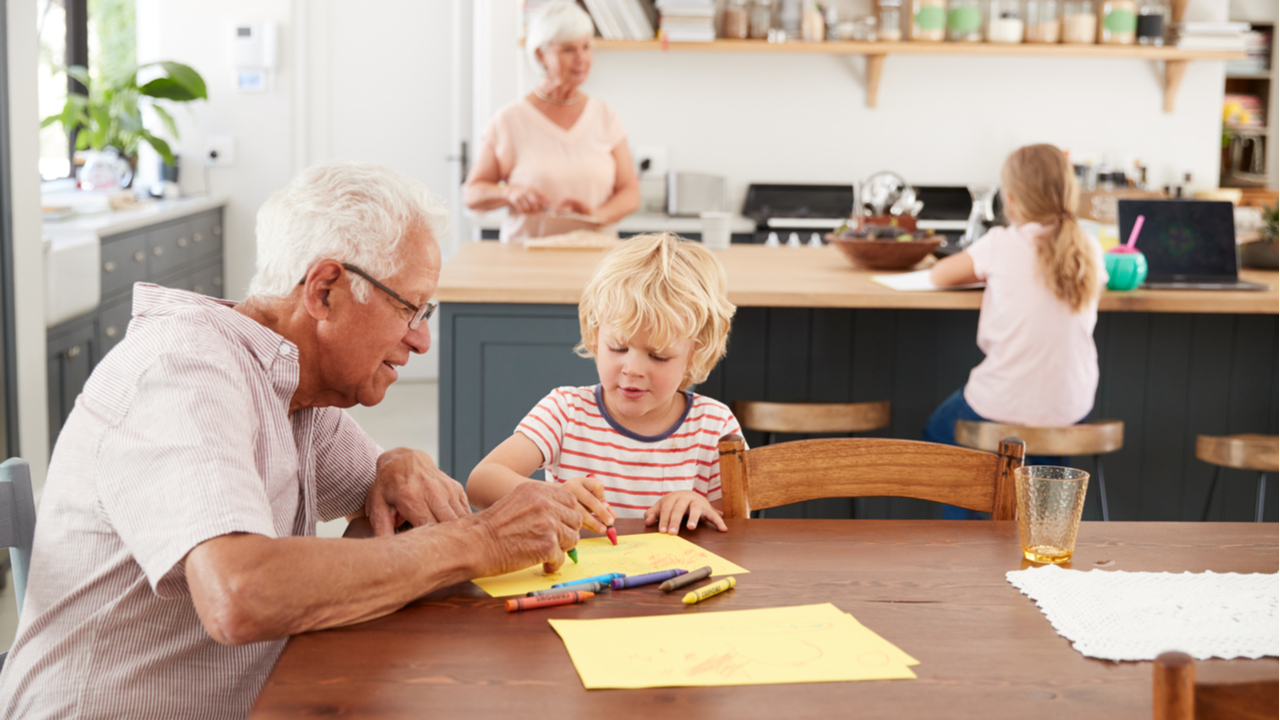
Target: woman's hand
{"type": "Point", "coordinates": [575, 206]}
{"type": "Point", "coordinates": [524, 200]}
{"type": "Point", "coordinates": [589, 492]}
{"type": "Point", "coordinates": [671, 507]}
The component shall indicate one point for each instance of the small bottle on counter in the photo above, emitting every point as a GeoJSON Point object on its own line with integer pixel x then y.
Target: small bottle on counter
{"type": "Point", "coordinates": [832, 21]}
{"type": "Point", "coordinates": [890, 20]}
{"type": "Point", "coordinates": [1005, 23]}
{"type": "Point", "coordinates": [761, 19]}
{"type": "Point", "coordinates": [772, 240]}
{"type": "Point", "coordinates": [928, 20]}
{"type": "Point", "coordinates": [793, 240]}
{"type": "Point", "coordinates": [964, 21]}
{"type": "Point", "coordinates": [1118, 22]}
{"type": "Point", "coordinates": [1151, 22]}
{"type": "Point", "coordinates": [735, 22]}
{"type": "Point", "coordinates": [1043, 25]}
{"type": "Point", "coordinates": [813, 27]}
{"type": "Point", "coordinates": [1079, 23]}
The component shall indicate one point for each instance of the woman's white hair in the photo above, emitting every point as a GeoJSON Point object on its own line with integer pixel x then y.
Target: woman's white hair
{"type": "Point", "coordinates": [555, 23]}
{"type": "Point", "coordinates": [352, 212]}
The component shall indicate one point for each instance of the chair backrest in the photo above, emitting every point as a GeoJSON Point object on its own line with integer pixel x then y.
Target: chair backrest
{"type": "Point", "coordinates": [1091, 438]}
{"type": "Point", "coordinates": [1177, 694]}
{"type": "Point", "coordinates": [811, 417]}
{"type": "Point", "coordinates": [17, 520]}
{"type": "Point", "coordinates": [792, 472]}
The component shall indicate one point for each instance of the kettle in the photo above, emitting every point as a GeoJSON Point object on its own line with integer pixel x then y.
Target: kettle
{"type": "Point", "coordinates": [105, 170]}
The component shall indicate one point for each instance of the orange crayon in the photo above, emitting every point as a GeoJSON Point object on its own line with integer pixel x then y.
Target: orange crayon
{"type": "Point", "coordinates": [540, 601]}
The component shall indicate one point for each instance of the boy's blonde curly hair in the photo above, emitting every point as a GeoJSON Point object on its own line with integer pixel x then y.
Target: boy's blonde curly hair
{"type": "Point", "coordinates": [673, 288]}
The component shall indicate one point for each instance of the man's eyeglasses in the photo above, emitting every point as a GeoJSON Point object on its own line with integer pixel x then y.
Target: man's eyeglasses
{"type": "Point", "coordinates": [420, 312]}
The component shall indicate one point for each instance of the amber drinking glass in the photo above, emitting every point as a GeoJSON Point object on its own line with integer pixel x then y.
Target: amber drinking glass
{"type": "Point", "coordinates": [1050, 500]}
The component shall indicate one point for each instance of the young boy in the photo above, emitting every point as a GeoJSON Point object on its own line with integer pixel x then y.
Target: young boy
{"type": "Point", "coordinates": [656, 319]}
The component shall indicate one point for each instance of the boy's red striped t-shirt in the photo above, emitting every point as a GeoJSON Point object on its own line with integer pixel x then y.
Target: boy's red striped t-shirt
{"type": "Point", "coordinates": [577, 438]}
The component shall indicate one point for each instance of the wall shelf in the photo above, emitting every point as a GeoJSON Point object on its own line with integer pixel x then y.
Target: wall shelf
{"type": "Point", "coordinates": [1175, 59]}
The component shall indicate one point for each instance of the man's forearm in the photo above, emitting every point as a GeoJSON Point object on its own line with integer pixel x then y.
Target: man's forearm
{"type": "Point", "coordinates": [250, 588]}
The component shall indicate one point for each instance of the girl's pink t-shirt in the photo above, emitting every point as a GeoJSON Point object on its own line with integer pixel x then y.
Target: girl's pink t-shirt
{"type": "Point", "coordinates": [1041, 365]}
{"type": "Point", "coordinates": [561, 164]}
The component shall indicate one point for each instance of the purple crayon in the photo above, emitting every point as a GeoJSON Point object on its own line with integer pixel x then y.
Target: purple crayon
{"type": "Point", "coordinates": [646, 579]}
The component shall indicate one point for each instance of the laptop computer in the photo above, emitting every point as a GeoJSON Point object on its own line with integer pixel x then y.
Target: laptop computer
{"type": "Point", "coordinates": [1189, 244]}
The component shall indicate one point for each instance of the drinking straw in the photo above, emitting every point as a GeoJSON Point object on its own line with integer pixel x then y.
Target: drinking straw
{"type": "Point", "coordinates": [1137, 228]}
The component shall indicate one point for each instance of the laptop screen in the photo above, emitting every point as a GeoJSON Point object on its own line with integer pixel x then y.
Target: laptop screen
{"type": "Point", "coordinates": [1183, 239]}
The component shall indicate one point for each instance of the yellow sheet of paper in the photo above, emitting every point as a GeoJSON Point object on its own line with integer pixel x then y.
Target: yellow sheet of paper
{"type": "Point", "coordinates": [808, 643]}
{"type": "Point", "coordinates": [634, 555]}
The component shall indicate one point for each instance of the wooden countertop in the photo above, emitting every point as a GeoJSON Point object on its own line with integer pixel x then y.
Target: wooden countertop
{"type": "Point", "coordinates": [490, 272]}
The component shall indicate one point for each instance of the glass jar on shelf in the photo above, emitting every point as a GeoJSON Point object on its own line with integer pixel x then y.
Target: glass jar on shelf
{"type": "Point", "coordinates": [1151, 22]}
{"type": "Point", "coordinates": [1079, 23]}
{"type": "Point", "coordinates": [964, 21]}
{"type": "Point", "coordinates": [928, 20]}
{"type": "Point", "coordinates": [761, 19]}
{"type": "Point", "coordinates": [1004, 24]}
{"type": "Point", "coordinates": [890, 20]}
{"type": "Point", "coordinates": [1117, 22]}
{"type": "Point", "coordinates": [1043, 25]}
{"type": "Point", "coordinates": [735, 21]}
{"type": "Point", "coordinates": [813, 26]}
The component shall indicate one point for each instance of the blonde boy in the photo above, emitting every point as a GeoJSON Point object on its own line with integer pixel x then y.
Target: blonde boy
{"type": "Point", "coordinates": [656, 319]}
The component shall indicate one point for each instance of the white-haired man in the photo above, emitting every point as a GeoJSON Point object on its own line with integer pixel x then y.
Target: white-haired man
{"type": "Point", "coordinates": [175, 546]}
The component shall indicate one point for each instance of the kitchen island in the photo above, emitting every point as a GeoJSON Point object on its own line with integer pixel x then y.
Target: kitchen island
{"type": "Point", "coordinates": [810, 327]}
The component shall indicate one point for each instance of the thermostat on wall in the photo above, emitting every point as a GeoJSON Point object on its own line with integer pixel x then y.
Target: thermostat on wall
{"type": "Point", "coordinates": [254, 55]}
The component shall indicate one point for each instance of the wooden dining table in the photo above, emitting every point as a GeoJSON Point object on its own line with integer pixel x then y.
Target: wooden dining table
{"type": "Point", "coordinates": [936, 589]}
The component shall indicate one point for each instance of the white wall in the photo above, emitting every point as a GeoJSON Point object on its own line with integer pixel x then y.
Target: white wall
{"type": "Point", "coordinates": [941, 119]}
{"type": "Point", "coordinates": [28, 260]}
{"type": "Point", "coordinates": [357, 79]}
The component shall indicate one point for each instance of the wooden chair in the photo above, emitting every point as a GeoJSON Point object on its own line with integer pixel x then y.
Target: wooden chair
{"type": "Point", "coordinates": [17, 524]}
{"type": "Point", "coordinates": [805, 418]}
{"type": "Point", "coordinates": [1243, 452]}
{"type": "Point", "coordinates": [1178, 695]}
{"type": "Point", "coordinates": [793, 472]}
{"type": "Point", "coordinates": [1093, 438]}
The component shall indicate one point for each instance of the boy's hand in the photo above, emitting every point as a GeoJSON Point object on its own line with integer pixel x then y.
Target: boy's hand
{"type": "Point", "coordinates": [671, 507]}
{"type": "Point", "coordinates": [589, 493]}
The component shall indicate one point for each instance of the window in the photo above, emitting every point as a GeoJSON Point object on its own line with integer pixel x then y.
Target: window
{"type": "Point", "coordinates": [97, 34]}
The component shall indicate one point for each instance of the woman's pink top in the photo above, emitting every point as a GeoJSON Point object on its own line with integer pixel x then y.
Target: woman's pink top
{"type": "Point", "coordinates": [561, 164]}
{"type": "Point", "coordinates": [1041, 367]}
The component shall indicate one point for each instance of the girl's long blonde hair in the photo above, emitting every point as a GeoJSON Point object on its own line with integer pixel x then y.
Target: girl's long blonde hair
{"type": "Point", "coordinates": [1040, 186]}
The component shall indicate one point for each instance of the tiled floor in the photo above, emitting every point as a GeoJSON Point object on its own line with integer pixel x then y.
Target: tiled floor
{"type": "Point", "coordinates": [406, 417]}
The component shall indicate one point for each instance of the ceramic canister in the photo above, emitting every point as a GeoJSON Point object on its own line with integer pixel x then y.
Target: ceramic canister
{"type": "Point", "coordinates": [1126, 268]}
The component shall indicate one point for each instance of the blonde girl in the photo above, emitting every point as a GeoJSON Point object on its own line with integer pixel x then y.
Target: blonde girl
{"type": "Point", "coordinates": [1043, 278]}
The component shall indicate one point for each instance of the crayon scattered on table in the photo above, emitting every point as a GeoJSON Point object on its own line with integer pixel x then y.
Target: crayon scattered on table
{"type": "Point", "coordinates": [612, 534]}
{"type": "Point", "coordinates": [689, 578]}
{"type": "Point", "coordinates": [606, 577]}
{"type": "Point", "coordinates": [564, 598]}
{"type": "Point", "coordinates": [703, 593]}
{"type": "Point", "coordinates": [594, 587]}
{"type": "Point", "coordinates": [645, 579]}
{"type": "Point", "coordinates": [573, 555]}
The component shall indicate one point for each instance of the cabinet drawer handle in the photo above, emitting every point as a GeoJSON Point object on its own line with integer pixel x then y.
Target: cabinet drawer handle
{"type": "Point", "coordinates": [157, 251]}
{"type": "Point", "coordinates": [109, 266]}
{"type": "Point", "coordinates": [198, 237]}
{"type": "Point", "coordinates": [74, 351]}
{"type": "Point", "coordinates": [217, 281]}
{"type": "Point", "coordinates": [111, 331]}
{"type": "Point", "coordinates": [217, 230]}
{"type": "Point", "coordinates": [139, 256]}
{"type": "Point", "coordinates": [182, 242]}
{"type": "Point", "coordinates": [199, 289]}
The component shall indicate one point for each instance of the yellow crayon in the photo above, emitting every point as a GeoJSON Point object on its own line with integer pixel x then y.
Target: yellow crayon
{"type": "Point", "coordinates": [703, 593]}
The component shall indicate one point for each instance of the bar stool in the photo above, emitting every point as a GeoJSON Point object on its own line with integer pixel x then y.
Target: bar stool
{"type": "Point", "coordinates": [1242, 452]}
{"type": "Point", "coordinates": [804, 417]}
{"type": "Point", "coordinates": [1095, 438]}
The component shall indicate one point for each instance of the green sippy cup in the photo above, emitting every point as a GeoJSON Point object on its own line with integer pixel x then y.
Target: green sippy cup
{"type": "Point", "coordinates": [1126, 265]}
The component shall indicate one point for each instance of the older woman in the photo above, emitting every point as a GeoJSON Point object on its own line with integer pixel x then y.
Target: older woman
{"type": "Point", "coordinates": [557, 159]}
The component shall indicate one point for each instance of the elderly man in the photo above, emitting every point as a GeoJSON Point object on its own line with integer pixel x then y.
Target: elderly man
{"type": "Point", "coordinates": [175, 546]}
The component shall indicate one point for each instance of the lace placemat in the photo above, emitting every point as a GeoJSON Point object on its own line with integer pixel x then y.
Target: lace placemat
{"type": "Point", "coordinates": [1138, 615]}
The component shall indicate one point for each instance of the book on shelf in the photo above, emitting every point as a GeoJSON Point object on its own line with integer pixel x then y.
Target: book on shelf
{"type": "Point", "coordinates": [1221, 43]}
{"type": "Point", "coordinates": [1211, 28]}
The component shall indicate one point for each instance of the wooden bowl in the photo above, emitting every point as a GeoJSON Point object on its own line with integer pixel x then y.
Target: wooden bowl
{"type": "Point", "coordinates": [884, 254]}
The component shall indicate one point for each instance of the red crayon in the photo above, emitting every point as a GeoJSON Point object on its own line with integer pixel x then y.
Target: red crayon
{"type": "Point", "coordinates": [612, 534]}
{"type": "Point", "coordinates": [540, 601]}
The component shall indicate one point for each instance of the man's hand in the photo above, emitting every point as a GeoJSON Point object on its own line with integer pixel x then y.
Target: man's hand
{"type": "Point", "coordinates": [536, 522]}
{"type": "Point", "coordinates": [410, 487]}
{"type": "Point", "coordinates": [673, 506]}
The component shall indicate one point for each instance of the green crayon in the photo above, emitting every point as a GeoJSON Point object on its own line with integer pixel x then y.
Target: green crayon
{"type": "Point", "coordinates": [573, 555]}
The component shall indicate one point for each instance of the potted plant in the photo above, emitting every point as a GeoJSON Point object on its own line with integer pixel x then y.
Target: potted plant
{"type": "Point", "coordinates": [110, 116]}
{"type": "Point", "coordinates": [1261, 253]}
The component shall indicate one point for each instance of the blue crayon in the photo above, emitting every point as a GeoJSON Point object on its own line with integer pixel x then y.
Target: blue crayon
{"type": "Point", "coordinates": [595, 587]}
{"type": "Point", "coordinates": [646, 579]}
{"type": "Point", "coordinates": [597, 578]}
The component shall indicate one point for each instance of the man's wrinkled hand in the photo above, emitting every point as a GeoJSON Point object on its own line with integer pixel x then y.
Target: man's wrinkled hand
{"type": "Point", "coordinates": [409, 486]}
{"type": "Point", "coordinates": [535, 523]}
